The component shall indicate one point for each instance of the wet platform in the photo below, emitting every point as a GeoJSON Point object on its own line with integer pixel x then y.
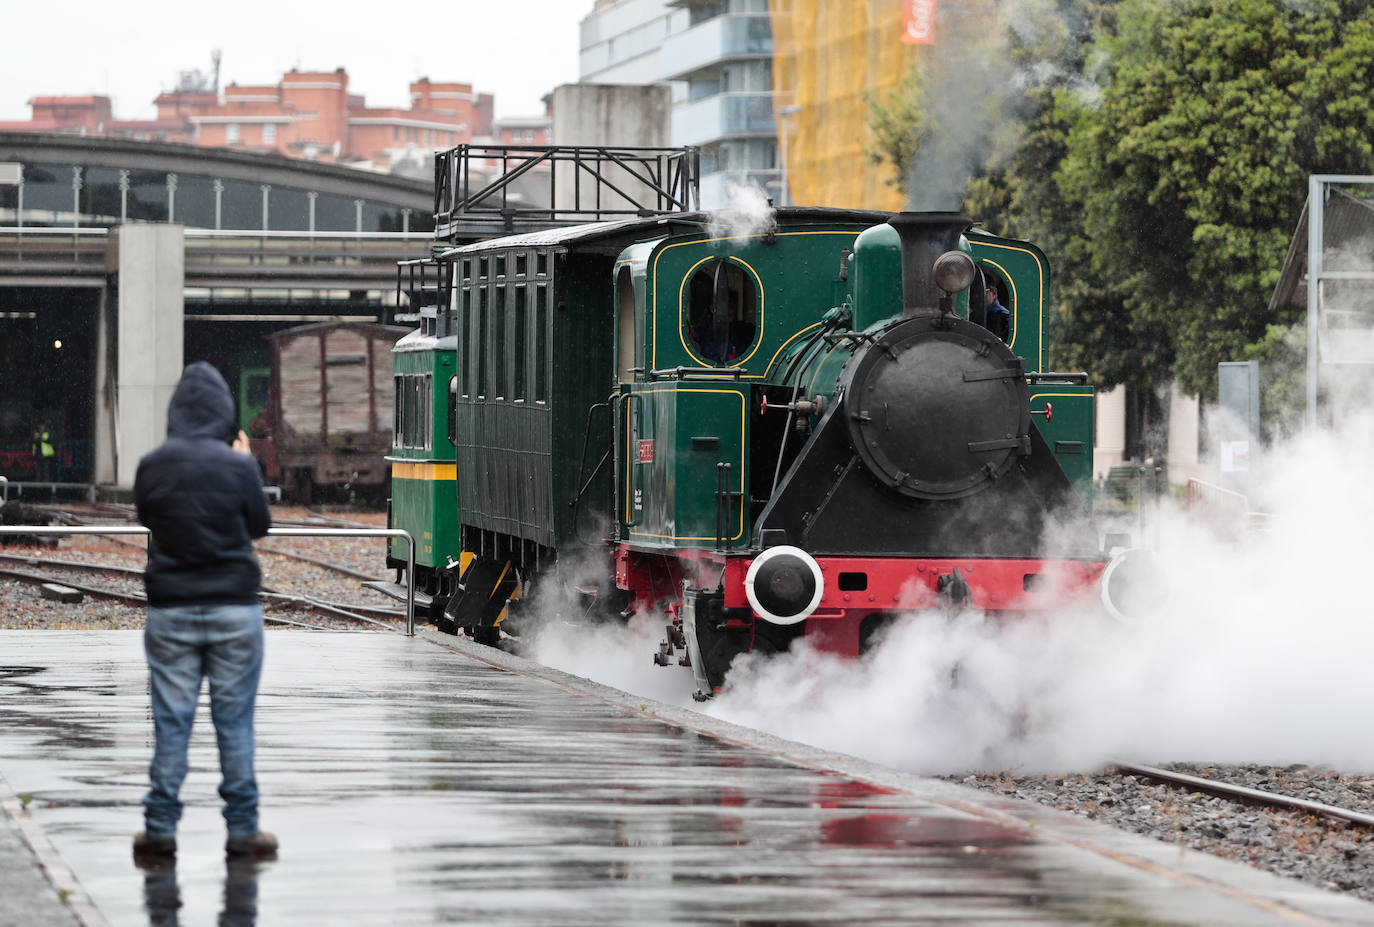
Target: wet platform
{"type": "Point", "coordinates": [423, 781]}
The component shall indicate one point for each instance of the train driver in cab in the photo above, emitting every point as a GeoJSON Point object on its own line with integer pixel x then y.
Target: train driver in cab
{"type": "Point", "coordinates": [997, 317]}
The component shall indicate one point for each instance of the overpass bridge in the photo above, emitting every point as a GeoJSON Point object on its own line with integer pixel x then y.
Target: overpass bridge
{"type": "Point", "coordinates": [121, 261]}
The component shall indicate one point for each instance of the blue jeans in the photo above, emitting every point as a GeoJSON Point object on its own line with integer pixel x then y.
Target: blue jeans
{"type": "Point", "coordinates": [185, 644]}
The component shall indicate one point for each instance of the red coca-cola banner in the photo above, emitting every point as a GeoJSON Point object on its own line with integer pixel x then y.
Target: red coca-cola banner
{"type": "Point", "coordinates": [918, 22]}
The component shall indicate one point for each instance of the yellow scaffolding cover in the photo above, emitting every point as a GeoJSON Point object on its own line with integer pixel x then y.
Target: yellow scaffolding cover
{"type": "Point", "coordinates": [826, 56]}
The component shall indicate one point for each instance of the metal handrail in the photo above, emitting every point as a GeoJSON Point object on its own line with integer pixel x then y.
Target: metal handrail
{"type": "Point", "coordinates": [65, 530]}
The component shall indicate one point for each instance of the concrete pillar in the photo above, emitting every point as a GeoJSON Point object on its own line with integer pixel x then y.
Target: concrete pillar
{"type": "Point", "coordinates": [1111, 431]}
{"type": "Point", "coordinates": [143, 340]}
{"type": "Point", "coordinates": [1184, 450]}
{"type": "Point", "coordinates": [631, 115]}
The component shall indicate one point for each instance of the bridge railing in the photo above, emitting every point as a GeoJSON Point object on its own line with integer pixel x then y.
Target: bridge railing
{"type": "Point", "coordinates": [478, 187]}
{"type": "Point", "coordinates": [53, 251]}
{"type": "Point", "coordinates": [224, 257]}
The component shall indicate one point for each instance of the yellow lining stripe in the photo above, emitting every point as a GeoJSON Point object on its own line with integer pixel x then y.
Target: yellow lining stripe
{"type": "Point", "coordinates": [653, 310]}
{"type": "Point", "coordinates": [758, 324]}
{"type": "Point", "coordinates": [629, 464]}
{"type": "Point", "coordinates": [423, 471]}
{"type": "Point", "coordinates": [1041, 359]}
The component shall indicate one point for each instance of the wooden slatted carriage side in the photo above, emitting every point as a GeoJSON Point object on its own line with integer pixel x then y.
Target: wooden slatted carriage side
{"type": "Point", "coordinates": [327, 425]}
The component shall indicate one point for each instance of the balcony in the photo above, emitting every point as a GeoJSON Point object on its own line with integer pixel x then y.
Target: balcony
{"type": "Point", "coordinates": [732, 36]}
{"type": "Point", "coordinates": [725, 115]}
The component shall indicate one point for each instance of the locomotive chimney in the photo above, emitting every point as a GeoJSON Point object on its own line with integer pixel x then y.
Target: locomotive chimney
{"type": "Point", "coordinates": [925, 236]}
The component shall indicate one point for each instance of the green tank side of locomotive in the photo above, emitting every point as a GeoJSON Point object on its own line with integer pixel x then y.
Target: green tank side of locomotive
{"type": "Point", "coordinates": [423, 474]}
{"type": "Point", "coordinates": [714, 315]}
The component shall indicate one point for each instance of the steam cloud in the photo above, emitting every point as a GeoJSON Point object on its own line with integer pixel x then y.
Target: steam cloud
{"type": "Point", "coordinates": [1260, 656]}
{"type": "Point", "coordinates": [747, 213]}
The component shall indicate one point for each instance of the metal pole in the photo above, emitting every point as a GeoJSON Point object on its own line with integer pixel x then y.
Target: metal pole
{"type": "Point", "coordinates": [1316, 188]}
{"type": "Point", "coordinates": [65, 530]}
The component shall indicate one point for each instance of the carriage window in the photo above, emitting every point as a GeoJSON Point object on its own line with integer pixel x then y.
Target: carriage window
{"type": "Point", "coordinates": [398, 396]}
{"type": "Point", "coordinates": [541, 344]}
{"type": "Point", "coordinates": [480, 343]}
{"type": "Point", "coordinates": [500, 265]}
{"type": "Point", "coordinates": [453, 410]}
{"type": "Point", "coordinates": [521, 323]}
{"type": "Point", "coordinates": [465, 326]}
{"type": "Point", "coordinates": [427, 420]}
{"type": "Point", "coordinates": [721, 313]}
{"type": "Point", "coordinates": [521, 264]}
{"type": "Point", "coordinates": [499, 346]}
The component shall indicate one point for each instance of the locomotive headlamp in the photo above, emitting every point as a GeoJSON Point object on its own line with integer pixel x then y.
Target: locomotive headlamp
{"type": "Point", "coordinates": [953, 271]}
{"type": "Point", "coordinates": [784, 585]}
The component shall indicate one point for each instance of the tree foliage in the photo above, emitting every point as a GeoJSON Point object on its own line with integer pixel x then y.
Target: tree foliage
{"type": "Point", "coordinates": [1161, 155]}
{"type": "Point", "coordinates": [1190, 170]}
{"type": "Point", "coordinates": [898, 122]}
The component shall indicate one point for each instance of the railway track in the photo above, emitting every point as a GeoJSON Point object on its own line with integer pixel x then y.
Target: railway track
{"type": "Point", "coordinates": [35, 570]}
{"type": "Point", "coordinates": [1244, 793]}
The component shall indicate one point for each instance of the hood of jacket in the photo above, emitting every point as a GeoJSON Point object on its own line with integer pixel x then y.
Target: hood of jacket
{"type": "Point", "coordinates": [202, 406]}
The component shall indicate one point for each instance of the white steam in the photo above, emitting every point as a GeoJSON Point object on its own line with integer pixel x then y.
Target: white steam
{"type": "Point", "coordinates": [1262, 655]}
{"type": "Point", "coordinates": [747, 212]}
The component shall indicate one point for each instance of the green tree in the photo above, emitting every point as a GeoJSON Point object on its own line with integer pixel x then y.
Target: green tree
{"type": "Point", "coordinates": [898, 121]}
{"type": "Point", "coordinates": [1189, 170]}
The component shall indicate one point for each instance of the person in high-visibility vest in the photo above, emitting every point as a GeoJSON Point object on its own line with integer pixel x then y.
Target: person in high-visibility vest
{"type": "Point", "coordinates": [44, 454]}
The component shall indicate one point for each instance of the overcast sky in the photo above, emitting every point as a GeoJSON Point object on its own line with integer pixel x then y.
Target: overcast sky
{"type": "Point", "coordinates": [132, 50]}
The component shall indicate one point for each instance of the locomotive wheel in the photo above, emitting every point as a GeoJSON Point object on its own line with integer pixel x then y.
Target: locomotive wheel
{"type": "Point", "coordinates": [727, 643]}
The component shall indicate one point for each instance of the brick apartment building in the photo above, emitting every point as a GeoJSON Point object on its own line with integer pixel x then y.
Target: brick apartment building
{"type": "Point", "coordinates": [308, 114]}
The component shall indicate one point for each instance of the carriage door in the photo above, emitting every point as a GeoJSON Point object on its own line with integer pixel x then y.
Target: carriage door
{"type": "Point", "coordinates": [623, 432]}
{"type": "Point", "coordinates": [625, 327]}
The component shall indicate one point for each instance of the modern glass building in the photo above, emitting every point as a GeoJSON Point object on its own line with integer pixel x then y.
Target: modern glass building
{"type": "Point", "coordinates": [718, 54]}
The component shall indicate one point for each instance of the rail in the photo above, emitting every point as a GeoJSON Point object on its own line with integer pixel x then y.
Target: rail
{"type": "Point", "coordinates": [67, 530]}
{"type": "Point", "coordinates": [1245, 793]}
{"type": "Point", "coordinates": [1224, 509]}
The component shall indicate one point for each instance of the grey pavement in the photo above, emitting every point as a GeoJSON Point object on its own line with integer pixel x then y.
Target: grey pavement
{"type": "Point", "coordinates": [429, 781]}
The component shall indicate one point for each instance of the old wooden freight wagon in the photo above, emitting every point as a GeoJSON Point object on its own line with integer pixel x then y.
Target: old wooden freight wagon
{"type": "Point", "coordinates": [327, 425]}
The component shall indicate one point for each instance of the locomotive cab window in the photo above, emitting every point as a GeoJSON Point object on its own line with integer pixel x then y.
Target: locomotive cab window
{"type": "Point", "coordinates": [721, 313]}
{"type": "Point", "coordinates": [996, 306]}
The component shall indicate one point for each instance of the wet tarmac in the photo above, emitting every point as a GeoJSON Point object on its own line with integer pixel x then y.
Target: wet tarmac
{"type": "Point", "coordinates": [411, 784]}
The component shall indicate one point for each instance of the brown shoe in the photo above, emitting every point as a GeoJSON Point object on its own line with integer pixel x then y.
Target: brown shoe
{"type": "Point", "coordinates": [261, 845]}
{"type": "Point", "coordinates": [154, 847]}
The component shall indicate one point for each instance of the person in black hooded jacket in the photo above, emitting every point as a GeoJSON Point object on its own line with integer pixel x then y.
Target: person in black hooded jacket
{"type": "Point", "coordinates": [200, 495]}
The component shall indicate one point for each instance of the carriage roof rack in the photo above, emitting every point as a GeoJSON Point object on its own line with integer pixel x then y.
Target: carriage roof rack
{"type": "Point", "coordinates": [484, 191]}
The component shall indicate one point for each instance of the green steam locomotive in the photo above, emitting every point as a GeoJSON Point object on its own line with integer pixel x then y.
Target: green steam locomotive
{"type": "Point", "coordinates": [803, 428]}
